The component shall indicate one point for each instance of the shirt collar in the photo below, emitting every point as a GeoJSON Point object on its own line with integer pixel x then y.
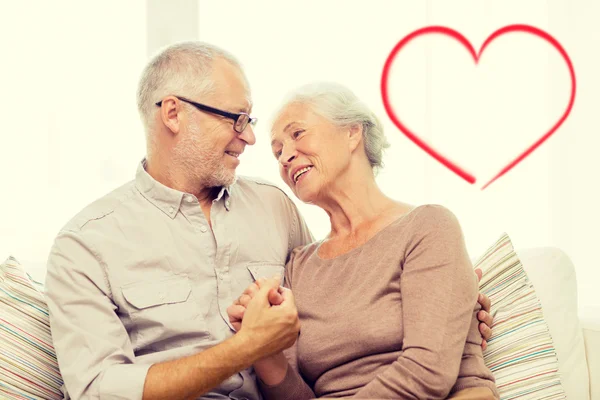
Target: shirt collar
{"type": "Point", "coordinates": [166, 199]}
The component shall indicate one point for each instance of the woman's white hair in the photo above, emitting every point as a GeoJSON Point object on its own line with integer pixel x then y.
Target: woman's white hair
{"type": "Point", "coordinates": [341, 107]}
{"type": "Point", "coordinates": [182, 69]}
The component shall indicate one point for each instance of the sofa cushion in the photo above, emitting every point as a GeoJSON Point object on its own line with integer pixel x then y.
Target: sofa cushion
{"type": "Point", "coordinates": [520, 352]}
{"type": "Point", "coordinates": [27, 358]}
{"type": "Point", "coordinates": [553, 275]}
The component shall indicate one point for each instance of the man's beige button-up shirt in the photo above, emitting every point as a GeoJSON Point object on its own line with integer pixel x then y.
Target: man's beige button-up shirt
{"type": "Point", "coordinates": [139, 277]}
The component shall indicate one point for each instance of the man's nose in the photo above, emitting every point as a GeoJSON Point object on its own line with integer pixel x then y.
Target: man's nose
{"type": "Point", "coordinates": [248, 135]}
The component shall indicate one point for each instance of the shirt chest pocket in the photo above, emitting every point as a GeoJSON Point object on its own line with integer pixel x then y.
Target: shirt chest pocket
{"type": "Point", "coordinates": [253, 271]}
{"type": "Point", "coordinates": [160, 301]}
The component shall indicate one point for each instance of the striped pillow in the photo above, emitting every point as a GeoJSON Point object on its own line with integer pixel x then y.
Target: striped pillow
{"type": "Point", "coordinates": [520, 352]}
{"type": "Point", "coordinates": [28, 367]}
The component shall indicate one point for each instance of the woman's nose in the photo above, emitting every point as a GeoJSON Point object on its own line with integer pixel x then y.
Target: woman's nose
{"type": "Point", "coordinates": [287, 156]}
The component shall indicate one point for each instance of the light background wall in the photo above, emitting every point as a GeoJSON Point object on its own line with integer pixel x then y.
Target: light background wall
{"type": "Point", "coordinates": [71, 131]}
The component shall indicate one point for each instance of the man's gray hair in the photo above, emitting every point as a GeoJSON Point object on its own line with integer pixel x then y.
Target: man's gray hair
{"type": "Point", "coordinates": [182, 69]}
{"type": "Point", "coordinates": [341, 107]}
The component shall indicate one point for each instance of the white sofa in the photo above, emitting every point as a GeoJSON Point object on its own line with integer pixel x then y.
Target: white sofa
{"type": "Point", "coordinates": [577, 340]}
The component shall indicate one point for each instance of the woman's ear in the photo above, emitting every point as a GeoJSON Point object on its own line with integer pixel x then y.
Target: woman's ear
{"type": "Point", "coordinates": [355, 136]}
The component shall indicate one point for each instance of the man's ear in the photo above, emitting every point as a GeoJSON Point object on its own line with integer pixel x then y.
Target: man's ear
{"type": "Point", "coordinates": [170, 113]}
{"type": "Point", "coordinates": [355, 136]}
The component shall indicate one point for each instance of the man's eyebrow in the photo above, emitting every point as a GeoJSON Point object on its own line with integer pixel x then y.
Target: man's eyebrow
{"type": "Point", "coordinates": [247, 108]}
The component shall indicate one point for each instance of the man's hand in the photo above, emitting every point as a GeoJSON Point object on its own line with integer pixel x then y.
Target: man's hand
{"type": "Point", "coordinates": [271, 369]}
{"type": "Point", "coordinates": [237, 309]}
{"type": "Point", "coordinates": [266, 314]}
{"type": "Point", "coordinates": [484, 316]}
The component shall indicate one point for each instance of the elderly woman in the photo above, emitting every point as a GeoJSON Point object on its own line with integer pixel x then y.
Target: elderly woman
{"type": "Point", "coordinates": [388, 300]}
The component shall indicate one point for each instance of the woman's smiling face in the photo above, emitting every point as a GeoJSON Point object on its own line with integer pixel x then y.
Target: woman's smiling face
{"type": "Point", "coordinates": [312, 152]}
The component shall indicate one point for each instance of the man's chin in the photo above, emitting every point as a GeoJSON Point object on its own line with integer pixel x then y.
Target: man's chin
{"type": "Point", "coordinates": [228, 179]}
{"type": "Point", "coordinates": [221, 179]}
{"type": "Point", "coordinates": [232, 180]}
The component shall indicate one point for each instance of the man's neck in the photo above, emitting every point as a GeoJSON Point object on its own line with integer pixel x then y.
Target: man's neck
{"type": "Point", "coordinates": [174, 178]}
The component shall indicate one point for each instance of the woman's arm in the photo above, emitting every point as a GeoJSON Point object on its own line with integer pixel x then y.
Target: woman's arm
{"type": "Point", "coordinates": [439, 292]}
{"type": "Point", "coordinates": [271, 370]}
{"type": "Point", "coordinates": [287, 382]}
{"type": "Point", "coordinates": [278, 376]}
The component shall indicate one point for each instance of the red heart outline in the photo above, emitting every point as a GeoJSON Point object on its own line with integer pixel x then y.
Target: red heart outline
{"type": "Point", "coordinates": [476, 56]}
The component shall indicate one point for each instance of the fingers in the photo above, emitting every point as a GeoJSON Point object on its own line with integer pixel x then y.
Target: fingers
{"type": "Point", "coordinates": [273, 281]}
{"type": "Point", "coordinates": [244, 300]}
{"type": "Point", "coordinates": [275, 298]}
{"type": "Point", "coordinates": [485, 302]}
{"type": "Point", "coordinates": [265, 286]}
{"type": "Point", "coordinates": [479, 274]}
{"type": "Point", "coordinates": [486, 318]}
{"type": "Point", "coordinates": [484, 344]}
{"type": "Point", "coordinates": [486, 321]}
{"type": "Point", "coordinates": [288, 297]}
{"type": "Point", "coordinates": [235, 312]}
{"type": "Point", "coordinates": [485, 331]}
{"type": "Point", "coordinates": [270, 284]}
{"type": "Point", "coordinates": [251, 290]}
{"type": "Point", "coordinates": [247, 295]}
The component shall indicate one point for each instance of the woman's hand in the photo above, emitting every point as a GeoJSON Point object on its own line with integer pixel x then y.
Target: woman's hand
{"type": "Point", "coordinates": [485, 318]}
{"type": "Point", "coordinates": [236, 310]}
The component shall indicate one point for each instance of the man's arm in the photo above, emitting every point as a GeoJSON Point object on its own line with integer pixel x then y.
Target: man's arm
{"type": "Point", "coordinates": [93, 349]}
{"type": "Point", "coordinates": [190, 377]}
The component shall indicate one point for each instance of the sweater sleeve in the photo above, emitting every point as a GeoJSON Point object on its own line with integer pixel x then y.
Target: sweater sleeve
{"type": "Point", "coordinates": [293, 386]}
{"type": "Point", "coordinates": [439, 292]}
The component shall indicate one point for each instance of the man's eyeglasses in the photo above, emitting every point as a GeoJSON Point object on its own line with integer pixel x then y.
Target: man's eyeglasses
{"type": "Point", "coordinates": [240, 121]}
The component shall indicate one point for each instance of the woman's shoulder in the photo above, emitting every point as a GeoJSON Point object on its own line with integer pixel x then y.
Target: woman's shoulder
{"type": "Point", "coordinates": [433, 215]}
{"type": "Point", "coordinates": [297, 259]}
{"type": "Point", "coordinates": [301, 254]}
{"type": "Point", "coordinates": [304, 251]}
{"type": "Point", "coordinates": [427, 221]}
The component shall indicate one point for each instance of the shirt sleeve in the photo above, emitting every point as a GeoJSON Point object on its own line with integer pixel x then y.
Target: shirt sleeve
{"type": "Point", "coordinates": [93, 349]}
{"type": "Point", "coordinates": [439, 292]}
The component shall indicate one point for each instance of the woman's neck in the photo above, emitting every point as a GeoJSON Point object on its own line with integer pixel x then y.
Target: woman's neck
{"type": "Point", "coordinates": [353, 203]}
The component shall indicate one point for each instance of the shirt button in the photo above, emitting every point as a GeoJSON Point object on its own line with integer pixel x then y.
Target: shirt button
{"type": "Point", "coordinates": [221, 277]}
{"type": "Point", "coordinates": [171, 209]}
{"type": "Point", "coordinates": [203, 228]}
{"type": "Point", "coordinates": [190, 199]}
{"type": "Point", "coordinates": [161, 296]}
{"type": "Point", "coordinates": [227, 204]}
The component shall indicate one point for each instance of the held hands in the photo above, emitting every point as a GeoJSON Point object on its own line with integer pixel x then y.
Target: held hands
{"type": "Point", "coordinates": [485, 318]}
{"type": "Point", "coordinates": [267, 315]}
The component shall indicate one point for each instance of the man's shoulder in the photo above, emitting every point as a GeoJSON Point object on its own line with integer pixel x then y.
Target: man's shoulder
{"type": "Point", "coordinates": [101, 207]}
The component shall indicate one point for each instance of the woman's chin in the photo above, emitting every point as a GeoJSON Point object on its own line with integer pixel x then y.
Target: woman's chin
{"type": "Point", "coordinates": [305, 195]}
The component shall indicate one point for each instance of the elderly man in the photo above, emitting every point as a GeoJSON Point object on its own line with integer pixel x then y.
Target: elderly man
{"type": "Point", "coordinates": [139, 281]}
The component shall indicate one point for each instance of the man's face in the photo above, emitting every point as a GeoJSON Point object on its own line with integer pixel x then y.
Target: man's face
{"type": "Point", "coordinates": [209, 147]}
